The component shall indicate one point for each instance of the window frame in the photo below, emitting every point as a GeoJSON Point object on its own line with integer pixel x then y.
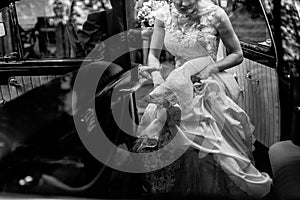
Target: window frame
{"type": "Point", "coordinates": [266, 55]}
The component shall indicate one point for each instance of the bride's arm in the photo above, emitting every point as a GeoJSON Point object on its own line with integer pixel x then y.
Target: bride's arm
{"type": "Point", "coordinates": [155, 49]}
{"type": "Point", "coordinates": [156, 44]}
{"type": "Point", "coordinates": [231, 43]}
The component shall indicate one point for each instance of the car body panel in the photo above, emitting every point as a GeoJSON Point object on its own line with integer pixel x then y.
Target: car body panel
{"type": "Point", "coordinates": [260, 99]}
{"type": "Point", "coordinates": [257, 74]}
{"type": "Point", "coordinates": [24, 63]}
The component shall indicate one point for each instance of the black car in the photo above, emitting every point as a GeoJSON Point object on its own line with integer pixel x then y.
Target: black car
{"type": "Point", "coordinates": [41, 59]}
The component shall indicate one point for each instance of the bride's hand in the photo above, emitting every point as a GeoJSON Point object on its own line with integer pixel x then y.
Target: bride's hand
{"type": "Point", "coordinates": [146, 71]}
{"type": "Point", "coordinates": [206, 72]}
{"type": "Point", "coordinates": [147, 68]}
{"type": "Point", "coordinates": [151, 73]}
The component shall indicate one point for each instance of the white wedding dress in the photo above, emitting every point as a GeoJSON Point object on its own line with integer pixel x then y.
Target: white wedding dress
{"type": "Point", "coordinates": [208, 110]}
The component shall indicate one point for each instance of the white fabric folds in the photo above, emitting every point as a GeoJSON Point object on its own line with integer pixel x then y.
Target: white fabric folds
{"type": "Point", "coordinates": [208, 111]}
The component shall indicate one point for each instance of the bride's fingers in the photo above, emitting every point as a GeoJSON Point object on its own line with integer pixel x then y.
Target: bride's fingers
{"type": "Point", "coordinates": [145, 67]}
{"type": "Point", "coordinates": [145, 74]}
{"type": "Point", "coordinates": [132, 89]}
{"type": "Point", "coordinates": [148, 68]}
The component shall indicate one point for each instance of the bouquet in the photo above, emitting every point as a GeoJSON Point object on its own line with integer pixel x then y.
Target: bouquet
{"type": "Point", "coordinates": [146, 14]}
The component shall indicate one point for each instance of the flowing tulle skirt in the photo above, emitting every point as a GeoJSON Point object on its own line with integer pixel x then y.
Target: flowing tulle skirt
{"type": "Point", "coordinates": [190, 176]}
{"type": "Point", "coordinates": [216, 132]}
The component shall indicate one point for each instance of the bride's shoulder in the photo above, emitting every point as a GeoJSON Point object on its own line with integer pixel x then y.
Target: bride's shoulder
{"type": "Point", "coordinates": [215, 14]}
{"type": "Point", "coordinates": [219, 12]}
{"type": "Point", "coordinates": [212, 9]}
{"type": "Point", "coordinates": [221, 17]}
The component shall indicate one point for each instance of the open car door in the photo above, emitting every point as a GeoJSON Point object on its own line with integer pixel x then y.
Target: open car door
{"type": "Point", "coordinates": [41, 151]}
{"type": "Point", "coordinates": [257, 74]}
{"type": "Point", "coordinates": [45, 39]}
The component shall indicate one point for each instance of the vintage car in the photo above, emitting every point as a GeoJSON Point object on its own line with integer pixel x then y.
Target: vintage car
{"type": "Point", "coordinates": [41, 151]}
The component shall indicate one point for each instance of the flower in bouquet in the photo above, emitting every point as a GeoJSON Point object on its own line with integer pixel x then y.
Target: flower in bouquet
{"type": "Point", "coordinates": [146, 14]}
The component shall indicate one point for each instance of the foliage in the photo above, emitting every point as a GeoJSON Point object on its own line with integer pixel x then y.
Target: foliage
{"type": "Point", "coordinates": [75, 11]}
{"type": "Point", "coordinates": [61, 11]}
{"type": "Point", "coordinates": [291, 35]}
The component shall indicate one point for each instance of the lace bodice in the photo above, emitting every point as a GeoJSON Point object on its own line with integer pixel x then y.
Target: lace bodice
{"type": "Point", "coordinates": [188, 38]}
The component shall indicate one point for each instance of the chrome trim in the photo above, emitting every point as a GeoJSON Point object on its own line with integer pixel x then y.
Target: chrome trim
{"type": "Point", "coordinates": [270, 31]}
{"type": "Point", "coordinates": [14, 18]}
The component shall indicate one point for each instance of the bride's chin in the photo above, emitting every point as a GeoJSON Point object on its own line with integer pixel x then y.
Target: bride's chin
{"type": "Point", "coordinates": [186, 12]}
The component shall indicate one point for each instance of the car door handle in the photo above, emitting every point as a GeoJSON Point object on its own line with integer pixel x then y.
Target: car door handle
{"type": "Point", "coordinates": [2, 102]}
{"type": "Point", "coordinates": [249, 78]}
{"type": "Point", "coordinates": [13, 82]}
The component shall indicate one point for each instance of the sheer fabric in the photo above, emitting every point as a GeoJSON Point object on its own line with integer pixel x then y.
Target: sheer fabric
{"type": "Point", "coordinates": [187, 39]}
{"type": "Point", "coordinates": [217, 131]}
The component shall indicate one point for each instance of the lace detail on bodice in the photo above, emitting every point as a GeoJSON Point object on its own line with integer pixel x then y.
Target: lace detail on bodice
{"type": "Point", "coordinates": [188, 38]}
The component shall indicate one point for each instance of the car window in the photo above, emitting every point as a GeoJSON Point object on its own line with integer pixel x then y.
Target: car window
{"type": "Point", "coordinates": [248, 21]}
{"type": "Point", "coordinates": [49, 28]}
{"type": "Point", "coordinates": [7, 45]}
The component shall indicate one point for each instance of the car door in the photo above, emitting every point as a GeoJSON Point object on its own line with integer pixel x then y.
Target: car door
{"type": "Point", "coordinates": [34, 113]}
{"type": "Point", "coordinates": [257, 74]}
{"type": "Point", "coordinates": [43, 40]}
{"type": "Point", "coordinates": [34, 51]}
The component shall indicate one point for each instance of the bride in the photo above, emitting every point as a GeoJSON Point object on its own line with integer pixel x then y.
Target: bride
{"type": "Point", "coordinates": [197, 101]}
